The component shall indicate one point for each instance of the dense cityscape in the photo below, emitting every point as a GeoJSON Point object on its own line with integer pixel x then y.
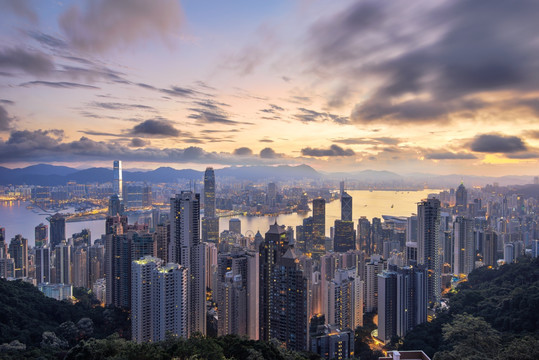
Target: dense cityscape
{"type": "Point", "coordinates": [179, 274]}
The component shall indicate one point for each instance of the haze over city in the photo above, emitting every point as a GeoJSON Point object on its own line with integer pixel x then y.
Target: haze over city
{"type": "Point", "coordinates": [435, 87]}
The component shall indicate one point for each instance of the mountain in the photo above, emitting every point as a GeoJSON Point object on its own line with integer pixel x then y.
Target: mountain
{"type": "Point", "coordinates": [269, 172]}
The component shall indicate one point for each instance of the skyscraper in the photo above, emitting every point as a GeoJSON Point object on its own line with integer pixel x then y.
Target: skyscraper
{"type": "Point", "coordinates": [185, 249]}
{"type": "Point", "coordinates": [57, 230]}
{"type": "Point", "coordinates": [461, 196]}
{"type": "Point", "coordinates": [62, 263]}
{"type": "Point", "coordinates": [141, 298]}
{"type": "Point", "coordinates": [464, 249]}
{"type": "Point", "coordinates": [346, 207]}
{"type": "Point", "coordinates": [344, 238]}
{"type": "Point", "coordinates": [80, 267]}
{"type": "Point", "coordinates": [234, 225]}
{"type": "Point", "coordinates": [411, 298]}
{"type": "Point", "coordinates": [43, 264]}
{"type": "Point", "coordinates": [387, 305]}
{"type": "Point", "coordinates": [210, 222]}
{"type": "Point", "coordinates": [115, 206]}
{"type": "Point", "coordinates": [319, 218]}
{"type": "Point", "coordinates": [18, 251]}
{"type": "Point", "coordinates": [345, 300]}
{"type": "Point", "coordinates": [41, 235]}
{"type": "Point", "coordinates": [117, 184]}
{"type": "Point", "coordinates": [429, 246]}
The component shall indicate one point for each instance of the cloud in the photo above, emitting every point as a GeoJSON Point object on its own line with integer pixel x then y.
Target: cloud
{"type": "Point", "coordinates": [266, 140]}
{"type": "Point", "coordinates": [534, 134]}
{"type": "Point", "coordinates": [211, 112]}
{"type": "Point", "coordinates": [108, 24]}
{"type": "Point", "coordinates": [21, 8]}
{"type": "Point", "coordinates": [155, 127]}
{"type": "Point", "coordinates": [5, 119]}
{"type": "Point", "coordinates": [334, 150]}
{"type": "Point", "coordinates": [272, 109]}
{"type": "Point", "coordinates": [433, 60]}
{"type": "Point", "coordinates": [175, 91]}
{"type": "Point", "coordinates": [446, 155]}
{"type": "Point", "coordinates": [368, 141]}
{"type": "Point", "coordinates": [243, 151]}
{"type": "Point", "coordinates": [31, 62]}
{"type": "Point", "coordinates": [47, 40]}
{"type": "Point", "coordinates": [121, 106]}
{"type": "Point", "coordinates": [268, 153]}
{"type": "Point", "coordinates": [138, 142]}
{"type": "Point", "coordinates": [59, 85]}
{"type": "Point", "coordinates": [7, 102]}
{"type": "Point", "coordinates": [494, 143]}
{"type": "Point", "coordinates": [307, 115]}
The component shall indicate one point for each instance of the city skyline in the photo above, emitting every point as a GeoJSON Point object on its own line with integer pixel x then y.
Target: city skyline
{"type": "Point", "coordinates": [445, 87]}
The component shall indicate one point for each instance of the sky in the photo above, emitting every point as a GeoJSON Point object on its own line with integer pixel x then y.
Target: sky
{"type": "Point", "coordinates": [424, 86]}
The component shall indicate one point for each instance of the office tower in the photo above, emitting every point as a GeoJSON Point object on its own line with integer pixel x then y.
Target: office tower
{"type": "Point", "coordinates": [330, 342]}
{"type": "Point", "coordinates": [364, 234]}
{"type": "Point", "coordinates": [170, 302]}
{"type": "Point", "coordinates": [18, 251]}
{"type": "Point", "coordinates": [142, 244]}
{"type": "Point", "coordinates": [132, 195]}
{"type": "Point", "coordinates": [509, 253]}
{"type": "Point", "coordinates": [115, 224]}
{"type": "Point", "coordinates": [43, 264]}
{"type": "Point", "coordinates": [411, 229]}
{"type": "Point", "coordinates": [319, 218]}
{"type": "Point", "coordinates": [271, 250]}
{"type": "Point", "coordinates": [346, 207]}
{"type": "Point", "coordinates": [271, 197]}
{"type": "Point", "coordinates": [41, 235]}
{"type": "Point", "coordinates": [96, 263]}
{"type": "Point", "coordinates": [289, 303]}
{"type": "Point", "coordinates": [116, 207]}
{"type": "Point", "coordinates": [377, 238]}
{"type": "Point", "coordinates": [464, 249]}
{"type": "Point", "coordinates": [186, 249]}
{"type": "Point", "coordinates": [62, 263]}
{"type": "Point", "coordinates": [84, 238]}
{"type": "Point", "coordinates": [344, 238]}
{"type": "Point", "coordinates": [141, 298]}
{"type": "Point", "coordinates": [374, 267]}
{"type": "Point", "coordinates": [210, 221]}
{"type": "Point", "coordinates": [490, 247]}
{"type": "Point", "coordinates": [387, 305]}
{"type": "Point", "coordinates": [117, 184]}
{"type": "Point", "coordinates": [411, 298]}
{"type": "Point", "coordinates": [147, 199]}
{"type": "Point", "coordinates": [341, 189]}
{"type": "Point", "coordinates": [3, 244]}
{"type": "Point", "coordinates": [117, 267]}
{"type": "Point", "coordinates": [57, 230]}
{"type": "Point", "coordinates": [234, 225]}
{"type": "Point", "coordinates": [461, 198]}
{"type": "Point", "coordinates": [210, 263]}
{"type": "Point", "coordinates": [429, 247]}
{"type": "Point", "coordinates": [310, 244]}
{"type": "Point", "coordinates": [161, 240]}
{"type": "Point", "coordinates": [80, 268]}
{"type": "Point", "coordinates": [345, 300]}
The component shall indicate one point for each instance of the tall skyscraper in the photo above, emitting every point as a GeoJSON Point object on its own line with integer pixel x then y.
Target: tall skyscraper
{"type": "Point", "coordinates": [162, 237]}
{"type": "Point", "coordinates": [271, 196]}
{"type": "Point", "coordinates": [62, 263]}
{"type": "Point", "coordinates": [411, 298]}
{"type": "Point", "coordinates": [464, 249]}
{"type": "Point", "coordinates": [185, 249]}
{"type": "Point", "coordinates": [234, 225]}
{"type": "Point", "coordinates": [387, 305]}
{"type": "Point", "coordinates": [18, 251]}
{"type": "Point", "coordinates": [210, 221]}
{"type": "Point", "coordinates": [461, 196]}
{"type": "Point", "coordinates": [374, 267]}
{"type": "Point", "coordinates": [96, 263]}
{"type": "Point", "coordinates": [429, 246]}
{"type": "Point", "coordinates": [43, 264]}
{"type": "Point", "coordinates": [344, 238]}
{"type": "Point", "coordinates": [116, 206]}
{"type": "Point", "coordinates": [319, 218]}
{"type": "Point", "coordinates": [345, 300]}
{"type": "Point", "coordinates": [141, 298]}
{"type": "Point", "coordinates": [364, 234]}
{"type": "Point", "coordinates": [80, 267]}
{"type": "Point", "coordinates": [271, 250]}
{"type": "Point", "coordinates": [346, 207]}
{"type": "Point", "coordinates": [117, 184]}
{"type": "Point", "coordinates": [41, 235]}
{"type": "Point", "coordinates": [57, 230]}
{"type": "Point", "coordinates": [490, 247]}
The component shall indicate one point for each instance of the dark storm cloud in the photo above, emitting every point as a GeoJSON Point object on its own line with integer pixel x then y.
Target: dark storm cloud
{"type": "Point", "coordinates": [5, 119]}
{"type": "Point", "coordinates": [368, 141]}
{"type": "Point", "coordinates": [31, 62]}
{"type": "Point", "coordinates": [450, 156]}
{"type": "Point", "coordinates": [307, 115]}
{"type": "Point", "coordinates": [493, 143]}
{"type": "Point", "coordinates": [243, 151]}
{"type": "Point", "coordinates": [268, 153]}
{"type": "Point", "coordinates": [334, 150]}
{"type": "Point", "coordinates": [449, 51]}
{"type": "Point", "coordinates": [21, 8]}
{"type": "Point", "coordinates": [138, 142]}
{"type": "Point", "coordinates": [121, 106]}
{"type": "Point", "coordinates": [59, 85]}
{"type": "Point", "coordinates": [106, 24]}
{"type": "Point", "coordinates": [155, 127]}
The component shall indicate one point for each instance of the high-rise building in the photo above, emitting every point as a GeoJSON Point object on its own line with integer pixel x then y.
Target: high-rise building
{"type": "Point", "coordinates": [461, 196]}
{"type": "Point", "coordinates": [509, 253]}
{"type": "Point", "coordinates": [345, 300]}
{"type": "Point", "coordinates": [80, 268]}
{"type": "Point", "coordinates": [141, 298]}
{"type": "Point", "coordinates": [210, 221]}
{"type": "Point", "coordinates": [429, 246]}
{"type": "Point", "coordinates": [345, 236]}
{"type": "Point", "coordinates": [18, 251]}
{"type": "Point", "coordinates": [319, 218]}
{"type": "Point", "coordinates": [387, 305]}
{"type": "Point", "coordinates": [330, 342]}
{"type": "Point", "coordinates": [117, 184]}
{"type": "Point", "coordinates": [3, 244]}
{"type": "Point", "coordinates": [464, 246]}
{"type": "Point", "coordinates": [271, 196]}
{"type": "Point", "coordinates": [364, 234]}
{"type": "Point", "coordinates": [96, 263]}
{"type": "Point", "coordinates": [374, 267]}
{"type": "Point", "coordinates": [43, 264]}
{"type": "Point", "coordinates": [271, 250]}
{"type": "Point", "coordinates": [411, 298]}
{"type": "Point", "coordinates": [346, 207]}
{"type": "Point", "coordinates": [57, 230]}
{"type": "Point", "coordinates": [234, 225]}
{"type": "Point", "coordinates": [490, 247]}
{"type": "Point", "coordinates": [62, 263]}
{"type": "Point", "coordinates": [41, 235]}
{"type": "Point", "coordinates": [116, 207]}
{"type": "Point", "coordinates": [186, 249]}
{"type": "Point", "coordinates": [161, 240]}
{"type": "Point", "coordinates": [377, 238]}
{"type": "Point", "coordinates": [289, 303]}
